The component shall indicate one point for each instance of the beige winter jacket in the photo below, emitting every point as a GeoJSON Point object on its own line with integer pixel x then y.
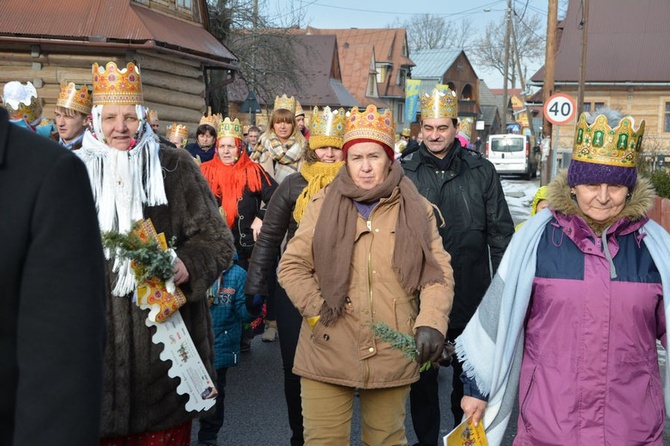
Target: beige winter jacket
{"type": "Point", "coordinates": [347, 353]}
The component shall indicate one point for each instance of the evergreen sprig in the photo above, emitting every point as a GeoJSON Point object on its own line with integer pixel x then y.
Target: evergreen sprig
{"type": "Point", "coordinates": [399, 341]}
{"type": "Point", "coordinates": [151, 260]}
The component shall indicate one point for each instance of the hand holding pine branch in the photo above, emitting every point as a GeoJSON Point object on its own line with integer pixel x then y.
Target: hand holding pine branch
{"type": "Point", "coordinates": [399, 341]}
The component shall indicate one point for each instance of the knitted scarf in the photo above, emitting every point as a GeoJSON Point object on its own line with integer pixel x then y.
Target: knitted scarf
{"type": "Point", "coordinates": [279, 152]}
{"type": "Point", "coordinates": [123, 182]}
{"type": "Point", "coordinates": [335, 230]}
{"type": "Point", "coordinates": [318, 176]}
{"type": "Point", "coordinates": [228, 183]}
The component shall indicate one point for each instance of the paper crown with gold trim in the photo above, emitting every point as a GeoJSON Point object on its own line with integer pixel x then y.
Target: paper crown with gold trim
{"type": "Point", "coordinates": [112, 85]}
{"type": "Point", "coordinates": [369, 124]}
{"type": "Point", "coordinates": [177, 129]}
{"type": "Point", "coordinates": [439, 104]}
{"type": "Point", "coordinates": [298, 109]}
{"type": "Point", "coordinates": [21, 102]}
{"type": "Point", "coordinates": [73, 98]}
{"type": "Point", "coordinates": [230, 128]}
{"type": "Point", "coordinates": [152, 115]}
{"type": "Point", "coordinates": [285, 103]}
{"type": "Point", "coordinates": [326, 128]}
{"type": "Point", "coordinates": [211, 120]}
{"type": "Point", "coordinates": [602, 154]}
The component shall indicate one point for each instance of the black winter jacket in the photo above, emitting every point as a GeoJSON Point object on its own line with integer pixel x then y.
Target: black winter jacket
{"type": "Point", "coordinates": [477, 221]}
{"type": "Point", "coordinates": [278, 222]}
{"type": "Point", "coordinates": [248, 208]}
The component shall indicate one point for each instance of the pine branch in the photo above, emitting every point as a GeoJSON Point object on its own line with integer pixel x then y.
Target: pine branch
{"type": "Point", "coordinates": [399, 341]}
{"type": "Point", "coordinates": [151, 260]}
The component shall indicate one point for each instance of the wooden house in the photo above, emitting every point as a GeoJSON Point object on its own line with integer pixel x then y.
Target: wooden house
{"type": "Point", "coordinates": [47, 43]}
{"type": "Point", "coordinates": [627, 65]}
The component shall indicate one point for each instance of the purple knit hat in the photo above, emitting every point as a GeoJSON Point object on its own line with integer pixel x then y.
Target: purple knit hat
{"type": "Point", "coordinates": [604, 154]}
{"type": "Point", "coordinates": [580, 172]}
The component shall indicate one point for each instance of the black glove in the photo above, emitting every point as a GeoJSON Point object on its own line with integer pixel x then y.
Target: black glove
{"type": "Point", "coordinates": [254, 303]}
{"type": "Point", "coordinates": [429, 344]}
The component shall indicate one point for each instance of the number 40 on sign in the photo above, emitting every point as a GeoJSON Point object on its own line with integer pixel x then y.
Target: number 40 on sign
{"type": "Point", "coordinates": [560, 108]}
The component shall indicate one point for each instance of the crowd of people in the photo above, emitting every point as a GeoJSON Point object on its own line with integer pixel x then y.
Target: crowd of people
{"type": "Point", "coordinates": [365, 257]}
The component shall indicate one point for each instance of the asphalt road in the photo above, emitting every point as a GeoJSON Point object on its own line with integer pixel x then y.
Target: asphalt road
{"type": "Point", "coordinates": [255, 412]}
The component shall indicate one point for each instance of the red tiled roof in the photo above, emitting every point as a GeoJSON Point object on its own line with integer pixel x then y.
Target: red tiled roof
{"type": "Point", "coordinates": [628, 41]}
{"type": "Point", "coordinates": [107, 21]}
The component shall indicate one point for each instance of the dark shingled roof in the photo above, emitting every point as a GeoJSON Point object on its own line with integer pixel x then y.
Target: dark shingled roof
{"type": "Point", "coordinates": [320, 80]}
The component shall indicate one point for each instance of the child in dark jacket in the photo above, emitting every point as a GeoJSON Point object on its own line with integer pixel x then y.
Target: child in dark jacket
{"type": "Point", "coordinates": [229, 312]}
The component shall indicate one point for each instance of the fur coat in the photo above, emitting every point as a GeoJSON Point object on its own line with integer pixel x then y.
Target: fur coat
{"type": "Point", "coordinates": [138, 394]}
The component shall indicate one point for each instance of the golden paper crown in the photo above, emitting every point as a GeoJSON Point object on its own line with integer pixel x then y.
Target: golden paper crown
{"type": "Point", "coordinates": [370, 124]}
{"type": "Point", "coordinates": [21, 102]}
{"type": "Point", "coordinates": [229, 128]}
{"type": "Point", "coordinates": [326, 128]}
{"type": "Point", "coordinates": [599, 143]}
{"type": "Point", "coordinates": [75, 99]}
{"type": "Point", "coordinates": [178, 130]}
{"type": "Point", "coordinates": [114, 86]}
{"type": "Point", "coordinates": [152, 115]}
{"type": "Point", "coordinates": [439, 105]}
{"type": "Point", "coordinates": [298, 109]}
{"type": "Point", "coordinates": [285, 103]}
{"type": "Point", "coordinates": [211, 120]}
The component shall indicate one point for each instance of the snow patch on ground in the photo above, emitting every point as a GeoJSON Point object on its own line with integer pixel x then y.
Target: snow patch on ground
{"type": "Point", "coordinates": [519, 195]}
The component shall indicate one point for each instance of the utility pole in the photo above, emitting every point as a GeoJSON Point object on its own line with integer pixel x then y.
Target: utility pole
{"type": "Point", "coordinates": [508, 21]}
{"type": "Point", "coordinates": [582, 63]}
{"type": "Point", "coordinates": [517, 58]}
{"type": "Point", "coordinates": [254, 33]}
{"type": "Point", "coordinates": [548, 88]}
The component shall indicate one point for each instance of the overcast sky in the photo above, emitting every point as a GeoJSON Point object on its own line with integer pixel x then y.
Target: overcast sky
{"type": "Point", "coordinates": [381, 13]}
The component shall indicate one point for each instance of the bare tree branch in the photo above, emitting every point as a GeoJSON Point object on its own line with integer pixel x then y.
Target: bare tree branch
{"type": "Point", "coordinates": [489, 50]}
{"type": "Point", "coordinates": [264, 43]}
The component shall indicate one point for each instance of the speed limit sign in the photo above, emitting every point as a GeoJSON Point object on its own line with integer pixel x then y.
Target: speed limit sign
{"type": "Point", "coordinates": [559, 109]}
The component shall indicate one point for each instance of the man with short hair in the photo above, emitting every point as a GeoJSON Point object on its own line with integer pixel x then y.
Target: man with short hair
{"type": "Point", "coordinates": [300, 120]}
{"type": "Point", "coordinates": [252, 137]}
{"type": "Point", "coordinates": [477, 228]}
{"type": "Point", "coordinates": [72, 115]}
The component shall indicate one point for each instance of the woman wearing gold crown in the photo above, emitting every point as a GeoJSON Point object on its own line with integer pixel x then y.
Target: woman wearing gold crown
{"type": "Point", "coordinates": [134, 178]}
{"type": "Point", "coordinates": [280, 146]}
{"type": "Point", "coordinates": [366, 249]}
{"type": "Point", "coordinates": [574, 311]}
{"type": "Point", "coordinates": [322, 160]}
{"type": "Point", "coordinates": [241, 185]}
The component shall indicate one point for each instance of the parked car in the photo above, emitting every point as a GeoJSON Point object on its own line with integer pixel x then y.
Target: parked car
{"type": "Point", "coordinates": [511, 154]}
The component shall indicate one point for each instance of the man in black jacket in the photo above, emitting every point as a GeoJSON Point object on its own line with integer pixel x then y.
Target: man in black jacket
{"type": "Point", "coordinates": [52, 294]}
{"type": "Point", "coordinates": [478, 226]}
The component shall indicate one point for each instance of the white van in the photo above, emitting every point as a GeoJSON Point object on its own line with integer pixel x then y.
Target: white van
{"type": "Point", "coordinates": [512, 155]}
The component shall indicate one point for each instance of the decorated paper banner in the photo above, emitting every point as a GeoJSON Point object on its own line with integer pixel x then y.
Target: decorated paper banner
{"type": "Point", "coordinates": [186, 362]}
{"type": "Point", "coordinates": [164, 300]}
{"type": "Point", "coordinates": [411, 99]}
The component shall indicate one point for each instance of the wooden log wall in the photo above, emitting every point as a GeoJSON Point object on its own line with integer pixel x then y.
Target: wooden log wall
{"type": "Point", "coordinates": [173, 86]}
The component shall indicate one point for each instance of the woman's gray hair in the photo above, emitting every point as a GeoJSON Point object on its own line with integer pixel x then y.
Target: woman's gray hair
{"type": "Point", "coordinates": [613, 116]}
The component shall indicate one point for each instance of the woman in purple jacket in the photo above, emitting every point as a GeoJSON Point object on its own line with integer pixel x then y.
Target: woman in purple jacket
{"type": "Point", "coordinates": [577, 305]}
